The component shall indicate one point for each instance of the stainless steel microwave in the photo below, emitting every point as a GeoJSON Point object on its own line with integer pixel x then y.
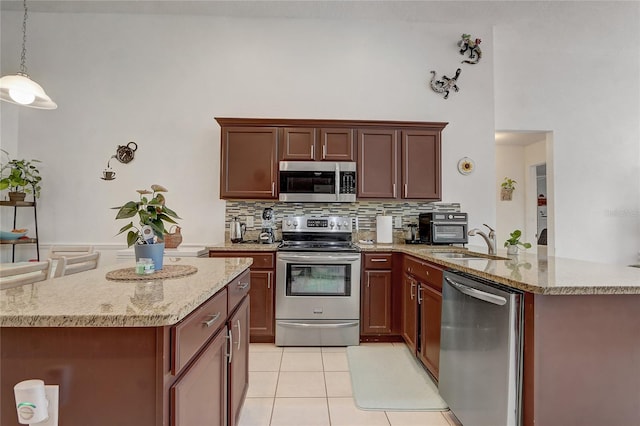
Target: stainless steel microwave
{"type": "Point", "coordinates": [317, 181]}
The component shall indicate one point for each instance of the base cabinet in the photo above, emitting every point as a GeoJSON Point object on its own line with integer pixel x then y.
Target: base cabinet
{"type": "Point", "coordinates": [262, 321]}
{"type": "Point", "coordinates": [421, 310]}
{"type": "Point", "coordinates": [376, 294]}
{"type": "Point", "coordinates": [238, 327]}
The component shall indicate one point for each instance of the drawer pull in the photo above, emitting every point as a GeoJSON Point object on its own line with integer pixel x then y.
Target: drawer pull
{"type": "Point", "coordinates": [242, 286]}
{"type": "Point", "coordinates": [211, 320]}
{"type": "Point", "coordinates": [378, 260]}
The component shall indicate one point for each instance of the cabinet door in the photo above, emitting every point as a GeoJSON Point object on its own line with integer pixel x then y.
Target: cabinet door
{"type": "Point", "coordinates": [421, 165]}
{"type": "Point", "coordinates": [199, 396]}
{"type": "Point", "coordinates": [298, 144]}
{"type": "Point", "coordinates": [239, 368]}
{"type": "Point", "coordinates": [409, 311]}
{"type": "Point", "coordinates": [376, 302]}
{"type": "Point", "coordinates": [262, 300]}
{"type": "Point", "coordinates": [377, 163]}
{"type": "Point", "coordinates": [336, 145]}
{"type": "Point", "coordinates": [249, 165]}
{"type": "Point", "coordinates": [430, 310]}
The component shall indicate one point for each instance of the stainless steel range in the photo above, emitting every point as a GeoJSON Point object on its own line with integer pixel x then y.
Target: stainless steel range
{"type": "Point", "coordinates": [317, 283]}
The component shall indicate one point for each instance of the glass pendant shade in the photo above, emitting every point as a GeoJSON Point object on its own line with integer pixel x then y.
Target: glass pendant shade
{"type": "Point", "coordinates": [20, 89]}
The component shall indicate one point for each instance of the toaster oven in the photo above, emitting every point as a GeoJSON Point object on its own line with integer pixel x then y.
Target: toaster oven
{"type": "Point", "coordinates": [443, 228]}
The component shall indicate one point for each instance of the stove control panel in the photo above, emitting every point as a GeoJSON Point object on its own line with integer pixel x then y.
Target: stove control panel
{"type": "Point", "coordinates": [317, 224]}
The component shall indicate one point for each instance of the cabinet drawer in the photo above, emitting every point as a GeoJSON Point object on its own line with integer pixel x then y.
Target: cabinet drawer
{"type": "Point", "coordinates": [190, 334]}
{"type": "Point", "coordinates": [260, 260]}
{"type": "Point", "coordinates": [237, 289]}
{"type": "Point", "coordinates": [377, 260]}
{"type": "Point", "coordinates": [423, 271]}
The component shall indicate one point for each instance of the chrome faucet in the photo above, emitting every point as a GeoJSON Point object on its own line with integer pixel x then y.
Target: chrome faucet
{"type": "Point", "coordinates": [489, 239]}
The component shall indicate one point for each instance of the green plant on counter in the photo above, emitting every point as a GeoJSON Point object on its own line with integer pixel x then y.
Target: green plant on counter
{"type": "Point", "coordinates": [152, 214]}
{"type": "Point", "coordinates": [22, 176]}
{"type": "Point", "coordinates": [509, 184]}
{"type": "Point", "coordinates": [514, 240]}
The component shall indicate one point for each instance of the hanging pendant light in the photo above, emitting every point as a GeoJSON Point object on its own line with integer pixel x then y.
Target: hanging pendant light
{"type": "Point", "coordinates": [19, 88]}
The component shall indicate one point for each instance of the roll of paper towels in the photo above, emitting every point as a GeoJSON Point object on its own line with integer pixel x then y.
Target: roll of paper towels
{"type": "Point", "coordinates": [384, 229]}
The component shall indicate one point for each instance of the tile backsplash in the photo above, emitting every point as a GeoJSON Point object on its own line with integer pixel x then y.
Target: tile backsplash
{"type": "Point", "coordinates": [363, 212]}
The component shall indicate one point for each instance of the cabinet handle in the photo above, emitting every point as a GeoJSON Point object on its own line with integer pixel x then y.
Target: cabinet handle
{"type": "Point", "coordinates": [239, 334]}
{"type": "Point", "coordinates": [323, 157]}
{"type": "Point", "coordinates": [378, 260]}
{"type": "Point", "coordinates": [273, 188]}
{"type": "Point", "coordinates": [230, 339]}
{"type": "Point", "coordinates": [405, 190]}
{"type": "Point", "coordinates": [313, 148]}
{"type": "Point", "coordinates": [269, 280]}
{"type": "Point", "coordinates": [211, 320]}
{"type": "Point", "coordinates": [413, 286]}
{"type": "Point", "coordinates": [419, 295]}
{"type": "Point", "coordinates": [242, 286]}
{"type": "Point", "coordinates": [394, 190]}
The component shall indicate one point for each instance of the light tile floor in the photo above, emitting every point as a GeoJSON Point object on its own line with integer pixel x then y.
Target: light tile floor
{"type": "Point", "coordinates": [311, 386]}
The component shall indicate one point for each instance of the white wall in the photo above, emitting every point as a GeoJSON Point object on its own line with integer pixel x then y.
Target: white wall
{"type": "Point", "coordinates": [510, 215]}
{"type": "Point", "coordinates": [577, 73]}
{"type": "Point", "coordinates": [161, 80]}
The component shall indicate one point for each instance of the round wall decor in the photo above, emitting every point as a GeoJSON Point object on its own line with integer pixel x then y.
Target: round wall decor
{"type": "Point", "coordinates": [466, 165]}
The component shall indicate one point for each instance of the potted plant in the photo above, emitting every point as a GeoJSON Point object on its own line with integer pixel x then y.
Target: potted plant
{"type": "Point", "coordinates": [153, 215]}
{"type": "Point", "coordinates": [21, 177]}
{"type": "Point", "coordinates": [513, 242]}
{"type": "Point", "coordinates": [508, 185]}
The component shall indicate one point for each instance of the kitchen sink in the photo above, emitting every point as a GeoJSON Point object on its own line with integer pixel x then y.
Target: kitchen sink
{"type": "Point", "coordinates": [464, 255]}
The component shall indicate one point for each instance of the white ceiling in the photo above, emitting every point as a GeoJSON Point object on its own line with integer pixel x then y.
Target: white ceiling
{"type": "Point", "coordinates": [417, 11]}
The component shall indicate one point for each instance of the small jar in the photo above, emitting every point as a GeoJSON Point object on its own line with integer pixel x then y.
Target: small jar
{"type": "Point", "coordinates": [140, 267]}
{"type": "Point", "coordinates": [149, 267]}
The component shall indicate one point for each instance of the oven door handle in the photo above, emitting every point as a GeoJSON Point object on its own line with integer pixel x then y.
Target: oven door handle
{"type": "Point", "coordinates": [319, 259]}
{"type": "Point", "coordinates": [307, 325]}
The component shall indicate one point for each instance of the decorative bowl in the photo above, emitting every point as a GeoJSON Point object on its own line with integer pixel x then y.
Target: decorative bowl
{"type": "Point", "coordinates": [11, 235]}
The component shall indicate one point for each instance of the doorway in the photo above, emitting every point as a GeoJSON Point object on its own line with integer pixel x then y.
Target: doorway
{"type": "Point", "coordinates": [527, 158]}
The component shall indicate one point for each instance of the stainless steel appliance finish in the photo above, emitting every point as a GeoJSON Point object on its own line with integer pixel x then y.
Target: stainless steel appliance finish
{"type": "Point", "coordinates": [443, 228]}
{"type": "Point", "coordinates": [317, 283]}
{"type": "Point", "coordinates": [317, 181]}
{"type": "Point", "coordinates": [481, 351]}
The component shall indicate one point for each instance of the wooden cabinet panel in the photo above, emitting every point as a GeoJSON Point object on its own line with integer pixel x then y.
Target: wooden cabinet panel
{"type": "Point", "coordinates": [336, 145]}
{"type": "Point", "coordinates": [376, 303]}
{"type": "Point", "coordinates": [430, 302]}
{"type": "Point", "coordinates": [199, 396]}
{"type": "Point", "coordinates": [421, 164]}
{"type": "Point", "coordinates": [188, 336]}
{"type": "Point", "coordinates": [239, 361]}
{"type": "Point", "coordinates": [377, 261]}
{"type": "Point", "coordinates": [423, 271]}
{"type": "Point", "coordinates": [262, 293]}
{"type": "Point", "coordinates": [237, 289]}
{"type": "Point", "coordinates": [298, 144]}
{"type": "Point", "coordinates": [410, 311]}
{"type": "Point", "coordinates": [377, 163]}
{"type": "Point", "coordinates": [249, 164]}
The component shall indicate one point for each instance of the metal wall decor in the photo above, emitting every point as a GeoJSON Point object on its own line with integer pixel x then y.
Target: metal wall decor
{"type": "Point", "coordinates": [472, 46]}
{"type": "Point", "coordinates": [124, 154]}
{"type": "Point", "coordinates": [445, 84]}
{"type": "Point", "coordinates": [466, 165]}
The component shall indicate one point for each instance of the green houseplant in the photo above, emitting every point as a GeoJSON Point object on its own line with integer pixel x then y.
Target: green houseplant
{"type": "Point", "coordinates": [20, 177]}
{"type": "Point", "coordinates": [508, 186]}
{"type": "Point", "coordinates": [153, 215]}
{"type": "Point", "coordinates": [513, 242]}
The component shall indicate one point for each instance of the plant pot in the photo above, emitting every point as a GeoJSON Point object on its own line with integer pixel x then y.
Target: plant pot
{"type": "Point", "coordinates": [506, 194]}
{"type": "Point", "coordinates": [512, 249]}
{"type": "Point", "coordinates": [155, 252]}
{"type": "Point", "coordinates": [17, 196]}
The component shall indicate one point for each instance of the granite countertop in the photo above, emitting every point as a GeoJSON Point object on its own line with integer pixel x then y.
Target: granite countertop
{"type": "Point", "coordinates": [539, 274]}
{"type": "Point", "coordinates": [88, 299]}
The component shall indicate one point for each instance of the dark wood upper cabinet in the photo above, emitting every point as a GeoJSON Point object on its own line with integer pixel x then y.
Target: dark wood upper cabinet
{"type": "Point", "coordinates": [304, 143]}
{"type": "Point", "coordinates": [396, 159]}
{"type": "Point", "coordinates": [249, 166]}
{"type": "Point", "coordinates": [421, 164]}
{"type": "Point", "coordinates": [377, 163]}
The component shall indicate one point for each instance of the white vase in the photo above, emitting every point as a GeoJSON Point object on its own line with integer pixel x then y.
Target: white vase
{"type": "Point", "coordinates": [154, 252]}
{"type": "Point", "coordinates": [512, 249]}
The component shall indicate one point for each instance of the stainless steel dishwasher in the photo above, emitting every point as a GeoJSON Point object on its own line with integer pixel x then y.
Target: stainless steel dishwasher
{"type": "Point", "coordinates": [481, 350]}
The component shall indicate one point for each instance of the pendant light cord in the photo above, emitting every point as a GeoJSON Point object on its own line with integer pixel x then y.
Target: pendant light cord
{"type": "Point", "coordinates": [23, 58]}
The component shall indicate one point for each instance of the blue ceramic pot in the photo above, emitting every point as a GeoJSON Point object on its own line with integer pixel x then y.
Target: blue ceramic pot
{"type": "Point", "coordinates": [154, 252]}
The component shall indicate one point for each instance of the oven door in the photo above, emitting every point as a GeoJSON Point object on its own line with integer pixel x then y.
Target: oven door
{"type": "Point", "coordinates": [448, 233]}
{"type": "Point", "coordinates": [317, 285]}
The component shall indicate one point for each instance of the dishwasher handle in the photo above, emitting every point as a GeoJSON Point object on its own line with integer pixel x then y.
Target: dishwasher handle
{"type": "Point", "coordinates": [477, 294]}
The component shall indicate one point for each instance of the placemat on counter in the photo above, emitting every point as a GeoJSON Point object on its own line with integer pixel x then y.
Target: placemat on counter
{"type": "Point", "coordinates": [167, 272]}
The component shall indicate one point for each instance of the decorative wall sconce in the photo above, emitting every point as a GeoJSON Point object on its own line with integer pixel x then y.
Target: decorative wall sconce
{"type": "Point", "coordinates": [124, 154]}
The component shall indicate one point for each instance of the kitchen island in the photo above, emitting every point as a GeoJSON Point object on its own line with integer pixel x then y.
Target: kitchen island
{"type": "Point", "coordinates": [125, 352]}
